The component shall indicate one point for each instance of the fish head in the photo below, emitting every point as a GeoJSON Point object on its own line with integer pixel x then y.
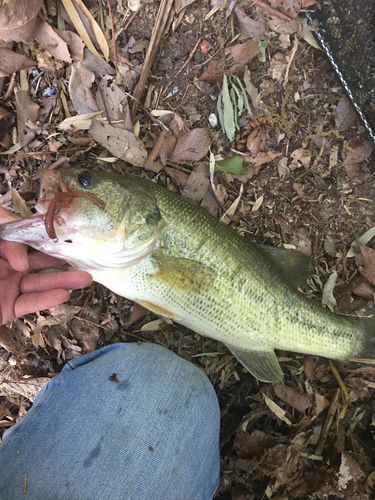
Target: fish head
{"type": "Point", "coordinates": [93, 220]}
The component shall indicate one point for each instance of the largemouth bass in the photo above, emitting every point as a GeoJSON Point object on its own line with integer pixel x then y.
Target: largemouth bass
{"type": "Point", "coordinates": [152, 246]}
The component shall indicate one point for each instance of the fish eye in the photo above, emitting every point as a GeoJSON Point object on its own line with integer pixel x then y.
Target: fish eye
{"type": "Point", "coordinates": [87, 179]}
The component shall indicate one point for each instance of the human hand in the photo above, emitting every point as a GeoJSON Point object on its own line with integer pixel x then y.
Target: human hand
{"type": "Point", "coordinates": [21, 290]}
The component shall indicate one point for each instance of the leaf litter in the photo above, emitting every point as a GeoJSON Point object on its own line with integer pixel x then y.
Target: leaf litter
{"type": "Point", "coordinates": [297, 172]}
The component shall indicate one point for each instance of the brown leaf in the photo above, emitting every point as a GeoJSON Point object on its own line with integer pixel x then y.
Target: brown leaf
{"type": "Point", "coordinates": [11, 62]}
{"type": "Point", "coordinates": [86, 333]}
{"type": "Point", "coordinates": [51, 41]}
{"type": "Point", "coordinates": [369, 263]}
{"type": "Point", "coordinates": [364, 290]}
{"type": "Point", "coordinates": [357, 150]}
{"type": "Point", "coordinates": [197, 184]}
{"type": "Point", "coordinates": [261, 158]}
{"type": "Point", "coordinates": [241, 54]}
{"type": "Point", "coordinates": [250, 28]}
{"type": "Point", "coordinates": [213, 73]}
{"type": "Point", "coordinates": [121, 143]}
{"type": "Point", "coordinates": [27, 109]}
{"type": "Point", "coordinates": [256, 140]}
{"type": "Point", "coordinates": [160, 153]}
{"type": "Point", "coordinates": [17, 20]}
{"type": "Point", "coordinates": [28, 388]}
{"type": "Point", "coordinates": [80, 82]}
{"type": "Point", "coordinates": [192, 146]}
{"type": "Point", "coordinates": [6, 121]}
{"type": "Point", "coordinates": [278, 66]}
{"type": "Point", "coordinates": [345, 115]}
{"type": "Point", "coordinates": [252, 445]}
{"type": "Point", "coordinates": [290, 7]}
{"type": "Point", "coordinates": [74, 43]}
{"type": "Point", "coordinates": [292, 397]}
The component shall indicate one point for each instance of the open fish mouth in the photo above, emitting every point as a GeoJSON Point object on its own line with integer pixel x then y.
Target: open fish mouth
{"type": "Point", "coordinates": [54, 197]}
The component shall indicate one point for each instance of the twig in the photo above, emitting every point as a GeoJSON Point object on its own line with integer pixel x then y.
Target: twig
{"type": "Point", "coordinates": [189, 58]}
{"type": "Point", "coordinates": [272, 11]}
{"type": "Point", "coordinates": [113, 36]}
{"type": "Point", "coordinates": [339, 380]}
{"type": "Point", "coordinates": [133, 15]}
{"type": "Point", "coordinates": [157, 33]}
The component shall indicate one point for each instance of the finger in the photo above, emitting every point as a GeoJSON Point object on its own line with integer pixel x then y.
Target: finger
{"type": "Point", "coordinates": [32, 302]}
{"type": "Point", "coordinates": [70, 280]}
{"type": "Point", "coordinates": [15, 254]}
{"type": "Point", "coordinates": [39, 260]}
{"type": "Point", "coordinates": [6, 216]}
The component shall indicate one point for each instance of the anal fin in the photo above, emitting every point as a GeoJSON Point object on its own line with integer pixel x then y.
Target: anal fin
{"type": "Point", "coordinates": [262, 364]}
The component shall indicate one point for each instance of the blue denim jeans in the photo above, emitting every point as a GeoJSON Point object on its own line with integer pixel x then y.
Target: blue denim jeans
{"type": "Point", "coordinates": [129, 421]}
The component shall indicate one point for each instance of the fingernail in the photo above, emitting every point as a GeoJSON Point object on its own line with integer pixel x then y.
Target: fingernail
{"type": "Point", "coordinates": [25, 259]}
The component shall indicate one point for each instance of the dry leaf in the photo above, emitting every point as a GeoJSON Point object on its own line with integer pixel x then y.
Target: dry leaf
{"type": "Point", "coordinates": [241, 54]}
{"type": "Point", "coordinates": [252, 445]}
{"type": "Point", "coordinates": [74, 42]}
{"type": "Point", "coordinates": [213, 73]}
{"type": "Point", "coordinates": [197, 184]}
{"type": "Point", "coordinates": [81, 79]}
{"type": "Point", "coordinates": [119, 142]}
{"type": "Point", "coordinates": [345, 115]}
{"type": "Point", "coordinates": [113, 100]}
{"type": "Point", "coordinates": [369, 263]}
{"type": "Point", "coordinates": [250, 28]}
{"type": "Point", "coordinates": [300, 157]}
{"type": "Point", "coordinates": [160, 153]}
{"type": "Point", "coordinates": [261, 158]}
{"type": "Point", "coordinates": [17, 20]}
{"type": "Point", "coordinates": [28, 388]}
{"type": "Point", "coordinates": [27, 110]}
{"type": "Point", "coordinates": [51, 41]}
{"type": "Point", "coordinates": [292, 397]}
{"type": "Point", "coordinates": [92, 27]}
{"type": "Point", "coordinates": [81, 122]}
{"type": "Point", "coordinates": [192, 146]}
{"type": "Point", "coordinates": [210, 204]}
{"type": "Point", "coordinates": [79, 26]}
{"type": "Point", "coordinates": [6, 121]}
{"type": "Point", "coordinates": [357, 150]}
{"type": "Point", "coordinates": [11, 62]}
{"type": "Point", "coordinates": [279, 412]}
{"type": "Point", "coordinates": [278, 66]}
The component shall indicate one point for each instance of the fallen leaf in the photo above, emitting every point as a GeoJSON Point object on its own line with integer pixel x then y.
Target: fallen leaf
{"type": "Point", "coordinates": [80, 82]}
{"type": "Point", "coordinates": [349, 471]}
{"type": "Point", "coordinates": [7, 120]}
{"type": "Point", "coordinates": [357, 150]}
{"type": "Point", "coordinates": [278, 66]}
{"type": "Point", "coordinates": [369, 263]}
{"type": "Point", "coordinates": [182, 4]}
{"type": "Point", "coordinates": [27, 110]}
{"type": "Point", "coordinates": [344, 114]}
{"type": "Point", "coordinates": [232, 165]}
{"type": "Point", "coordinates": [210, 204]}
{"type": "Point", "coordinates": [74, 42]}
{"type": "Point", "coordinates": [250, 28]}
{"type": "Point", "coordinates": [192, 146]}
{"type": "Point", "coordinates": [81, 122]}
{"type": "Point", "coordinates": [79, 25]}
{"type": "Point", "coordinates": [261, 158]}
{"type": "Point", "coordinates": [152, 326]}
{"type": "Point", "coordinates": [292, 397]}
{"type": "Point", "coordinates": [279, 412]}
{"type": "Point", "coordinates": [12, 62]}
{"type": "Point", "coordinates": [302, 241]}
{"type": "Point", "coordinates": [160, 153]}
{"type": "Point", "coordinates": [197, 184]}
{"type": "Point", "coordinates": [300, 157]}
{"type": "Point", "coordinates": [86, 333]}
{"type": "Point", "coordinates": [28, 388]}
{"type": "Point", "coordinates": [241, 54]}
{"type": "Point", "coordinates": [290, 7]}
{"type": "Point", "coordinates": [252, 445]}
{"type": "Point", "coordinates": [51, 41]}
{"type": "Point", "coordinates": [113, 100]}
{"type": "Point", "coordinates": [213, 73]}
{"type": "Point", "coordinates": [17, 20]}
{"type": "Point", "coordinates": [121, 143]}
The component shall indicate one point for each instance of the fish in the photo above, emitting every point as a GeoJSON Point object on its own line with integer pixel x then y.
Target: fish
{"type": "Point", "coordinates": [154, 247]}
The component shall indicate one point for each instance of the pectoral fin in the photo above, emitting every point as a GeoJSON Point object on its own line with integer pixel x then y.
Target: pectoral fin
{"type": "Point", "coordinates": [184, 275]}
{"type": "Point", "coordinates": [262, 364]}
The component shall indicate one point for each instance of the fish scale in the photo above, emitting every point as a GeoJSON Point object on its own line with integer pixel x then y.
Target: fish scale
{"type": "Point", "coordinates": [195, 271]}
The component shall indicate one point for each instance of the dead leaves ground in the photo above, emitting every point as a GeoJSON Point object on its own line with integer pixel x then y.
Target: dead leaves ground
{"type": "Point", "coordinates": [299, 171]}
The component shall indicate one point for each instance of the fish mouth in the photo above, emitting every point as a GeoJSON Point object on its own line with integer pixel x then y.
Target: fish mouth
{"type": "Point", "coordinates": [54, 197]}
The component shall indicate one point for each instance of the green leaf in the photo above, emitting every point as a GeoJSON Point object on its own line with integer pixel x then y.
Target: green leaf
{"type": "Point", "coordinates": [227, 117]}
{"type": "Point", "coordinates": [264, 43]}
{"type": "Point", "coordinates": [233, 165]}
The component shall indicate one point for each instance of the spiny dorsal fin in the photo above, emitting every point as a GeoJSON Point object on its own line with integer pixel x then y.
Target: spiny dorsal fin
{"type": "Point", "coordinates": [262, 364]}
